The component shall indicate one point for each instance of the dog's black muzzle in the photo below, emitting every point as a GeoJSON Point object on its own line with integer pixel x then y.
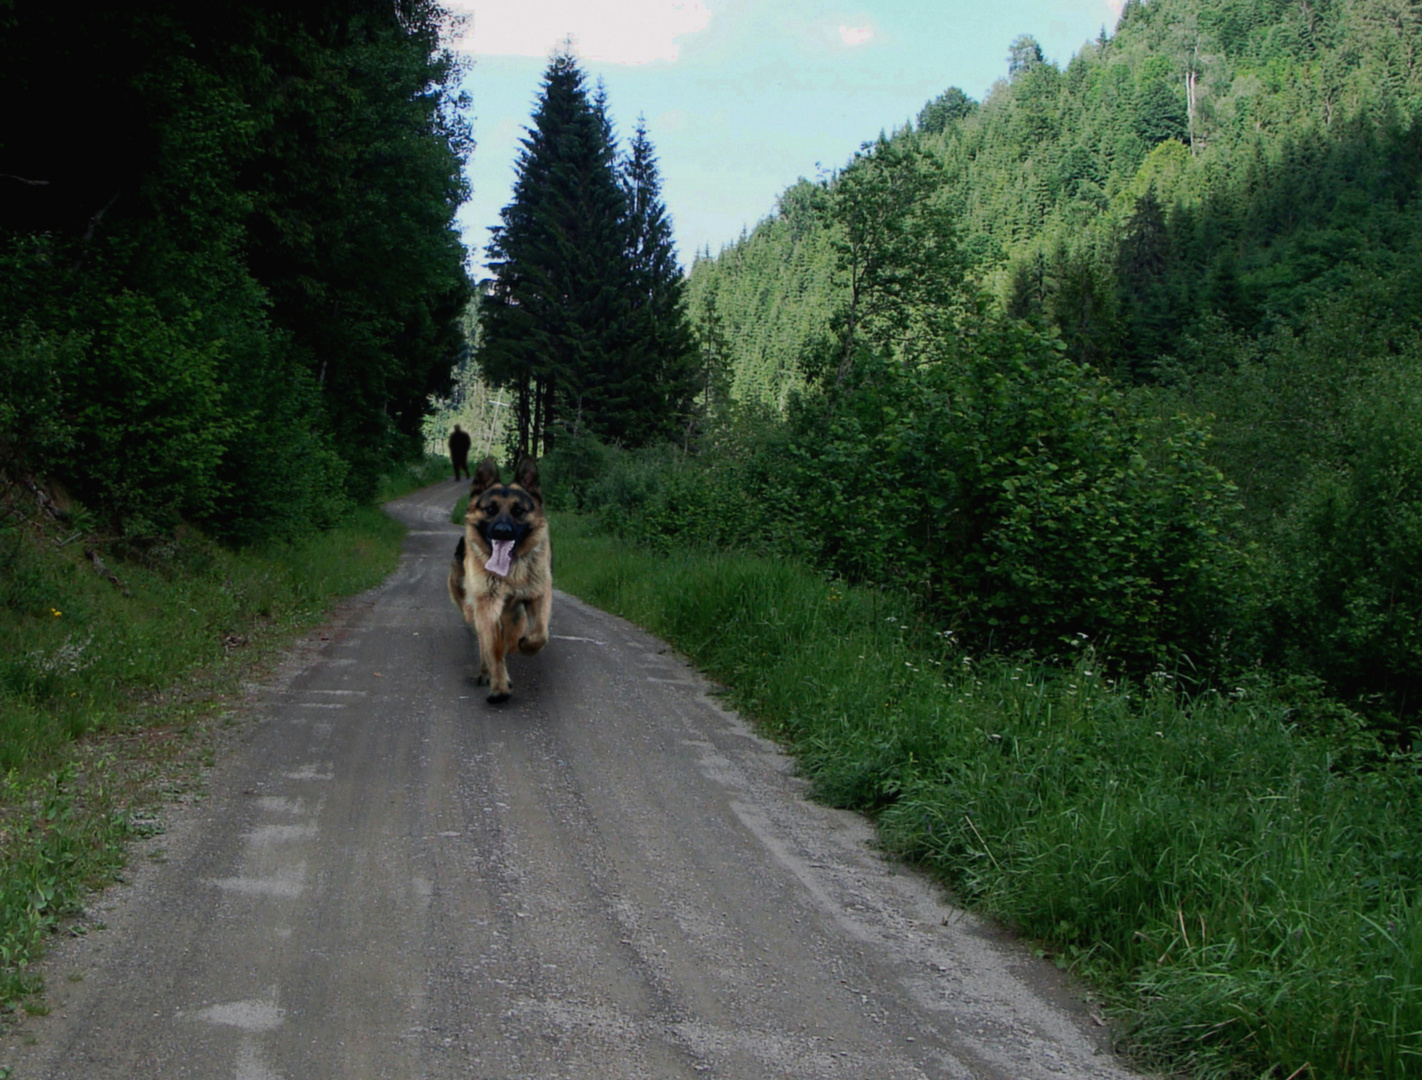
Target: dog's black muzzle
{"type": "Point", "coordinates": [504, 527]}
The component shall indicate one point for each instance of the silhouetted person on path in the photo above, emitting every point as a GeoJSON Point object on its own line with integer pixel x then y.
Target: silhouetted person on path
{"type": "Point", "coordinates": [459, 451]}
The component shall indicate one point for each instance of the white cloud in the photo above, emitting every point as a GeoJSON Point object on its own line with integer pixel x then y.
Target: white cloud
{"type": "Point", "coordinates": [610, 31]}
{"type": "Point", "coordinates": [671, 120]}
{"type": "Point", "coordinates": [856, 35]}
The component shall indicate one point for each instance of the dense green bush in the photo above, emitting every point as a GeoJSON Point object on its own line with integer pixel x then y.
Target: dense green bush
{"type": "Point", "coordinates": [147, 411]}
{"type": "Point", "coordinates": [1013, 490]}
{"type": "Point", "coordinates": [1346, 567]}
{"type": "Point", "coordinates": [566, 473]}
{"type": "Point", "coordinates": [1024, 495]}
{"type": "Point", "coordinates": [34, 366]}
{"type": "Point", "coordinates": [1318, 427]}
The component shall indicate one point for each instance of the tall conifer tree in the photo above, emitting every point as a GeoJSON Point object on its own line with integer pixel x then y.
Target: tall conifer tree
{"type": "Point", "coordinates": [554, 323]}
{"type": "Point", "coordinates": [585, 317]}
{"type": "Point", "coordinates": [661, 362]}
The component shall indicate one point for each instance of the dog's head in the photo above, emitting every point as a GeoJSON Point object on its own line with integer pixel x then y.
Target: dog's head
{"type": "Point", "coordinates": [505, 511]}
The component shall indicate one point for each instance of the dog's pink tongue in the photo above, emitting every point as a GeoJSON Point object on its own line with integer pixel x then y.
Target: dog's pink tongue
{"type": "Point", "coordinates": [503, 555]}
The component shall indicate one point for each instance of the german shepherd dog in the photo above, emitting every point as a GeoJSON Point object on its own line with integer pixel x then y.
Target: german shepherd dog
{"type": "Point", "coordinates": [502, 577]}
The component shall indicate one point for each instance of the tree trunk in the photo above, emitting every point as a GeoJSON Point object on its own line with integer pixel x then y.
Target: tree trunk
{"type": "Point", "coordinates": [524, 416]}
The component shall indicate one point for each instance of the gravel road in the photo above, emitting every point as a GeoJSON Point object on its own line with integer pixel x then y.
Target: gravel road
{"type": "Point", "coordinates": [609, 876]}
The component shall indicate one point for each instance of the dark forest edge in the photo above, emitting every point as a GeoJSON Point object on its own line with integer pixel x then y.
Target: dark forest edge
{"type": "Point", "coordinates": [227, 301]}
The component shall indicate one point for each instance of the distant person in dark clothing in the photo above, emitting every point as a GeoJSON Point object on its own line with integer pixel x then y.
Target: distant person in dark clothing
{"type": "Point", "coordinates": [459, 451]}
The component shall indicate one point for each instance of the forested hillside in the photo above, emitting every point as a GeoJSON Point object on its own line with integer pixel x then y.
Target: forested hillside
{"type": "Point", "coordinates": [1210, 165]}
{"type": "Point", "coordinates": [229, 276]}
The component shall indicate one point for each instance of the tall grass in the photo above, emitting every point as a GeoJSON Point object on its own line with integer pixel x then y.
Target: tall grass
{"type": "Point", "coordinates": [413, 475]}
{"type": "Point", "coordinates": [77, 654]}
{"type": "Point", "coordinates": [1239, 872]}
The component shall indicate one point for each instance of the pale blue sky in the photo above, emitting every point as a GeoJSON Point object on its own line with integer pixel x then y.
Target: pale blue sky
{"type": "Point", "coordinates": [742, 97]}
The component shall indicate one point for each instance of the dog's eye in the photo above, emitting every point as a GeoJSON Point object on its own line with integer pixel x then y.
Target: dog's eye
{"type": "Point", "coordinates": [518, 510]}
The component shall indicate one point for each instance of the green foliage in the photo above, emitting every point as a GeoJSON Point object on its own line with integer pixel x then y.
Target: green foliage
{"type": "Point", "coordinates": [1318, 430]}
{"type": "Point", "coordinates": [943, 110]}
{"type": "Point", "coordinates": [69, 843]}
{"type": "Point", "coordinates": [412, 476]}
{"type": "Point", "coordinates": [897, 262]}
{"type": "Point", "coordinates": [282, 476]}
{"type": "Point", "coordinates": [1347, 560]}
{"type": "Point", "coordinates": [567, 473]}
{"type": "Point", "coordinates": [1022, 494]}
{"type": "Point", "coordinates": [35, 367]}
{"type": "Point", "coordinates": [552, 321]}
{"type": "Point", "coordinates": [147, 407]}
{"type": "Point", "coordinates": [1023, 55]}
{"type": "Point", "coordinates": [655, 500]}
{"type": "Point", "coordinates": [229, 303]}
{"type": "Point", "coordinates": [660, 362]}
{"type": "Point", "coordinates": [1247, 906]}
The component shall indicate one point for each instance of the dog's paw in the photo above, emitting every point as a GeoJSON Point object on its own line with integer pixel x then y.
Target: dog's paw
{"type": "Point", "coordinates": [498, 697]}
{"type": "Point", "coordinates": [529, 646]}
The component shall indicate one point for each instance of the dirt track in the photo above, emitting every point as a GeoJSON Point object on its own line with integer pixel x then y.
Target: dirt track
{"type": "Point", "coordinates": [609, 876]}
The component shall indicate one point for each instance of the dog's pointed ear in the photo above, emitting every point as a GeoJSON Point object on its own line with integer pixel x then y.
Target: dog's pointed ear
{"type": "Point", "coordinates": [485, 477]}
{"type": "Point", "coordinates": [526, 477]}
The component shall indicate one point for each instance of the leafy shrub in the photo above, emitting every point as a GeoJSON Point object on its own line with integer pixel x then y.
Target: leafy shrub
{"type": "Point", "coordinates": [576, 462]}
{"type": "Point", "coordinates": [149, 424]}
{"type": "Point", "coordinates": [1020, 492]}
{"type": "Point", "coordinates": [731, 496]}
{"type": "Point", "coordinates": [281, 474]}
{"type": "Point", "coordinates": [35, 432]}
{"type": "Point", "coordinates": [1346, 571]}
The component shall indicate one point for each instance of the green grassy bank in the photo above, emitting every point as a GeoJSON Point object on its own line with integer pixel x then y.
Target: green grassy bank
{"type": "Point", "coordinates": [1238, 873]}
{"type": "Point", "coordinates": [110, 684]}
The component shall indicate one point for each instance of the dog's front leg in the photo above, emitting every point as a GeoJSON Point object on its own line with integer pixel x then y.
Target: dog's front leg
{"type": "Point", "coordinates": [535, 636]}
{"type": "Point", "coordinates": [514, 626]}
{"type": "Point", "coordinates": [488, 615]}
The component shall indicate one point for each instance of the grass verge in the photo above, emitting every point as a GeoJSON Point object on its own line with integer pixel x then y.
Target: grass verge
{"type": "Point", "coordinates": [110, 687]}
{"type": "Point", "coordinates": [1237, 873]}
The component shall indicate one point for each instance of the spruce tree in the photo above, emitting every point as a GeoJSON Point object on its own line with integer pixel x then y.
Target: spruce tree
{"type": "Point", "coordinates": [555, 320]}
{"type": "Point", "coordinates": [661, 360]}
